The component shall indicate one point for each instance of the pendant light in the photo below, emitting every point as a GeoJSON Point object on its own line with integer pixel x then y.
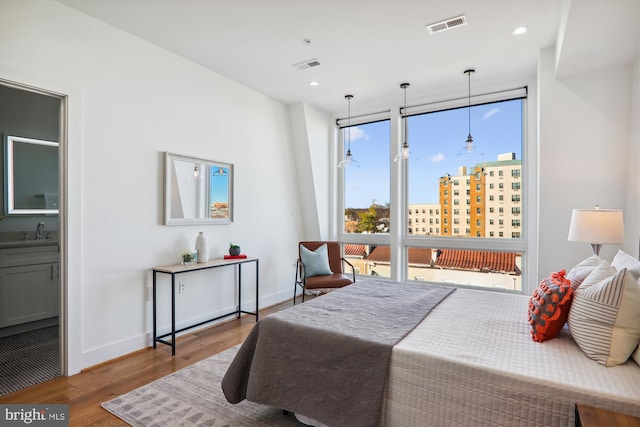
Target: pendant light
{"type": "Point", "coordinates": [469, 147]}
{"type": "Point", "coordinates": [348, 158]}
{"type": "Point", "coordinates": [404, 151]}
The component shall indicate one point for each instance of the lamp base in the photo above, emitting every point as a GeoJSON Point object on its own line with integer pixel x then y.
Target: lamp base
{"type": "Point", "coordinates": [596, 248]}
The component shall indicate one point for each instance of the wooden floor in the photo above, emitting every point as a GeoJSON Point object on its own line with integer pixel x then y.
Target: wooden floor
{"type": "Point", "coordinates": [85, 391]}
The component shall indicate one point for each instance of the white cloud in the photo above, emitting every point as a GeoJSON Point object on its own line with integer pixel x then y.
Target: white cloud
{"type": "Point", "coordinates": [357, 133]}
{"type": "Point", "coordinates": [437, 158]}
{"type": "Point", "coordinates": [490, 113]}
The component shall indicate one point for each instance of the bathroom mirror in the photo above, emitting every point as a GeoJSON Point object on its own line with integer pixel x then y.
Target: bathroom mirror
{"type": "Point", "coordinates": [31, 176]}
{"type": "Point", "coordinates": [197, 191]}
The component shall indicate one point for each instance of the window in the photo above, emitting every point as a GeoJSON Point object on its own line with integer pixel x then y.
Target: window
{"type": "Point", "coordinates": [515, 173]}
{"type": "Point", "coordinates": [515, 235]}
{"type": "Point", "coordinates": [515, 185]}
{"type": "Point", "coordinates": [515, 198]}
{"type": "Point", "coordinates": [501, 198]}
{"type": "Point", "coordinates": [501, 186]}
{"type": "Point", "coordinates": [366, 190]}
{"type": "Point", "coordinates": [515, 223]}
{"type": "Point", "coordinates": [430, 135]}
{"type": "Point", "coordinates": [515, 211]}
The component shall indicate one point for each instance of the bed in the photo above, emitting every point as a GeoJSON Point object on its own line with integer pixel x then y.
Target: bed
{"type": "Point", "coordinates": [469, 362]}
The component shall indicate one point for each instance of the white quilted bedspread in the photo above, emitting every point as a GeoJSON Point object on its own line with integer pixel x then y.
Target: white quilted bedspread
{"type": "Point", "coordinates": [472, 362]}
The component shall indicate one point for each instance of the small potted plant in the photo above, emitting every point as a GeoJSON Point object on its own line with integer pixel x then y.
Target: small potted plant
{"type": "Point", "coordinates": [189, 257]}
{"type": "Point", "coordinates": [234, 250]}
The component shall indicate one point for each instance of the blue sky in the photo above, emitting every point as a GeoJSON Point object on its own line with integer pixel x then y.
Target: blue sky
{"type": "Point", "coordinates": [436, 141]}
{"type": "Point", "coordinates": [219, 185]}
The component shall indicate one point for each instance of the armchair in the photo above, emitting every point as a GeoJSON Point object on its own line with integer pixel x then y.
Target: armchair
{"type": "Point", "coordinates": [323, 277]}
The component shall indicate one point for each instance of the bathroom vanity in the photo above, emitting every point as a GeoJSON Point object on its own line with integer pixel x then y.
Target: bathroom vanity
{"type": "Point", "coordinates": [29, 281]}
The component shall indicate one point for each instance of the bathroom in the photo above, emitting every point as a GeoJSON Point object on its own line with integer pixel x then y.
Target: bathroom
{"type": "Point", "coordinates": [30, 285]}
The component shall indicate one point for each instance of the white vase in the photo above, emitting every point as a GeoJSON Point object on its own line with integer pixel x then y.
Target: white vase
{"type": "Point", "coordinates": [202, 246]}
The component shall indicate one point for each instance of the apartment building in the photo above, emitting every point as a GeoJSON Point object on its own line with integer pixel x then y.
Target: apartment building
{"type": "Point", "coordinates": [483, 202]}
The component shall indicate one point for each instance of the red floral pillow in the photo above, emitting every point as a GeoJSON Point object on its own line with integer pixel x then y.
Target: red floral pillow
{"type": "Point", "coordinates": [549, 306]}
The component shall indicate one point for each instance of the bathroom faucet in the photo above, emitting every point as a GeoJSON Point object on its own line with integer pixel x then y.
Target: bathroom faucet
{"type": "Point", "coordinates": [39, 230]}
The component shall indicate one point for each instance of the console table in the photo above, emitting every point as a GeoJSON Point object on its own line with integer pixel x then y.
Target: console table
{"type": "Point", "coordinates": [176, 269]}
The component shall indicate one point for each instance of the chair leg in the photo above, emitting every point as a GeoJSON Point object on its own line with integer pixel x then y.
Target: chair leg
{"type": "Point", "coordinates": [295, 286]}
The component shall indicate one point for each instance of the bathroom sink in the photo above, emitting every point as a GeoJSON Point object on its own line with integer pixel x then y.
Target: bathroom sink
{"type": "Point", "coordinates": [26, 243]}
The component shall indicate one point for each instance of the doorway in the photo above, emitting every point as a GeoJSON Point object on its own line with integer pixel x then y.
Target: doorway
{"type": "Point", "coordinates": [31, 289]}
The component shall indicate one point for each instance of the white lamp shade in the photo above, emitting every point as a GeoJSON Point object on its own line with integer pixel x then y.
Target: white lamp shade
{"type": "Point", "coordinates": [597, 226]}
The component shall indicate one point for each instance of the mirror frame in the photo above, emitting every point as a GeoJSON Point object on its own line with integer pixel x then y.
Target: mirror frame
{"type": "Point", "coordinates": [169, 191]}
{"type": "Point", "coordinates": [9, 178]}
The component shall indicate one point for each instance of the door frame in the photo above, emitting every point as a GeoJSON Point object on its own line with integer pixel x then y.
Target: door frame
{"type": "Point", "coordinates": [70, 308]}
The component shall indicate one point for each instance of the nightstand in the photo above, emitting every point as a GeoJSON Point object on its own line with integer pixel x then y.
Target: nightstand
{"type": "Point", "coordinates": [588, 416]}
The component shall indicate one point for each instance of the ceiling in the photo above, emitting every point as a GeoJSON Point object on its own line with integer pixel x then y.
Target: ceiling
{"type": "Point", "coordinates": [368, 47]}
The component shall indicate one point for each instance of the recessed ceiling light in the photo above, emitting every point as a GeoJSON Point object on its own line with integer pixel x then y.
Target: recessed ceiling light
{"type": "Point", "coordinates": [313, 83]}
{"type": "Point", "coordinates": [520, 30]}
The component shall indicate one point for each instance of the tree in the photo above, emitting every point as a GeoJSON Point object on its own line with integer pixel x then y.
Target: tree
{"type": "Point", "coordinates": [367, 220]}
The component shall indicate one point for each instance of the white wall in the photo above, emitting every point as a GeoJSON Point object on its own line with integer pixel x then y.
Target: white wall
{"type": "Point", "coordinates": [632, 206]}
{"type": "Point", "coordinates": [584, 137]}
{"type": "Point", "coordinates": [310, 129]}
{"type": "Point", "coordinates": [129, 102]}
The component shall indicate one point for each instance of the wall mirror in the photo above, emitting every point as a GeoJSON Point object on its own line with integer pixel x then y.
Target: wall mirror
{"type": "Point", "coordinates": [197, 191]}
{"type": "Point", "coordinates": [31, 176]}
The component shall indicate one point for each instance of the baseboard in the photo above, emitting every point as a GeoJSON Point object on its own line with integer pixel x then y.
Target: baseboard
{"type": "Point", "coordinates": [117, 349]}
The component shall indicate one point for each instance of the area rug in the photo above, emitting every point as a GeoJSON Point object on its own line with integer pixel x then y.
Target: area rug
{"type": "Point", "coordinates": [193, 396]}
{"type": "Point", "coordinates": [28, 359]}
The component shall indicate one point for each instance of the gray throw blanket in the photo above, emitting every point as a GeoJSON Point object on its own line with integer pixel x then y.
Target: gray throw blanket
{"type": "Point", "coordinates": [328, 358]}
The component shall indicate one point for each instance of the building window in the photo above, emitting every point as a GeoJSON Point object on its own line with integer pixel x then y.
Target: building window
{"type": "Point", "coordinates": [515, 234]}
{"type": "Point", "coordinates": [515, 186]}
{"type": "Point", "coordinates": [501, 198]}
{"type": "Point", "coordinates": [500, 186]}
{"type": "Point", "coordinates": [423, 180]}
{"type": "Point", "coordinates": [515, 173]}
{"type": "Point", "coordinates": [515, 223]}
{"type": "Point", "coordinates": [515, 211]}
{"type": "Point", "coordinates": [490, 222]}
{"type": "Point", "coordinates": [515, 198]}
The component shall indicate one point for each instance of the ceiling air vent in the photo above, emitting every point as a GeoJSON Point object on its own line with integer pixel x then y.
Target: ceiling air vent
{"type": "Point", "coordinates": [447, 24]}
{"type": "Point", "coordinates": [307, 64]}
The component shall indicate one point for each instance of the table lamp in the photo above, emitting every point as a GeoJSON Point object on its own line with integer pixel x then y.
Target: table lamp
{"type": "Point", "coordinates": [596, 226]}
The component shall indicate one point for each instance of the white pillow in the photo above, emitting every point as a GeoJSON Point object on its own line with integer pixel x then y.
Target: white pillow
{"type": "Point", "coordinates": [580, 272]}
{"type": "Point", "coordinates": [624, 260]}
{"type": "Point", "coordinates": [604, 318]}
